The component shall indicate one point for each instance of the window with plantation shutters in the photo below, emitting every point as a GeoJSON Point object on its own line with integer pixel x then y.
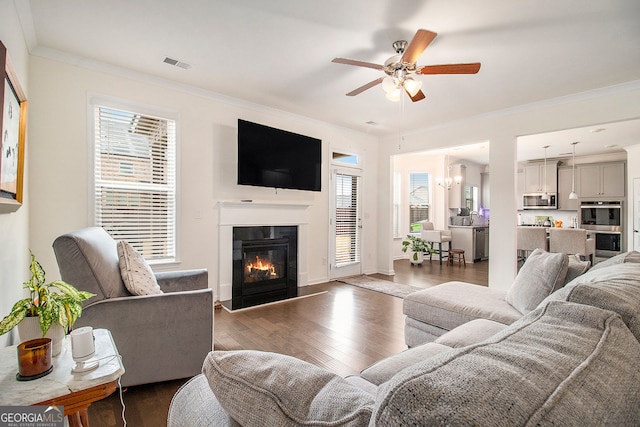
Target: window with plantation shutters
{"type": "Point", "coordinates": [347, 228]}
{"type": "Point", "coordinates": [134, 180]}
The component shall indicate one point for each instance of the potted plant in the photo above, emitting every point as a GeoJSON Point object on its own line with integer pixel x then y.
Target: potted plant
{"type": "Point", "coordinates": [417, 246]}
{"type": "Point", "coordinates": [45, 306]}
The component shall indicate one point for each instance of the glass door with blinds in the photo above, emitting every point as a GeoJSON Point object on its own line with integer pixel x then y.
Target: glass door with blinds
{"type": "Point", "coordinates": [346, 224]}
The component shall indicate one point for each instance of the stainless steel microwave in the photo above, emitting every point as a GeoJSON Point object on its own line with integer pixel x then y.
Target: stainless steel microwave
{"type": "Point", "coordinates": [535, 201]}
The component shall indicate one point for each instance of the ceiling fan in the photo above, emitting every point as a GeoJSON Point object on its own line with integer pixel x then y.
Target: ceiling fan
{"type": "Point", "coordinates": [402, 65]}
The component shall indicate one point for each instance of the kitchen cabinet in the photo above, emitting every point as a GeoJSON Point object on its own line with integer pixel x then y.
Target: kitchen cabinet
{"type": "Point", "coordinates": [473, 240]}
{"type": "Point", "coordinates": [485, 193]}
{"type": "Point", "coordinates": [456, 193]}
{"type": "Point", "coordinates": [601, 180]}
{"type": "Point", "coordinates": [520, 190]}
{"type": "Point", "coordinates": [565, 177]}
{"type": "Point", "coordinates": [535, 175]}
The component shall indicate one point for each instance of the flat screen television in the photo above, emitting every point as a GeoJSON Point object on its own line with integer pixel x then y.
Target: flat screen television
{"type": "Point", "coordinates": [270, 157]}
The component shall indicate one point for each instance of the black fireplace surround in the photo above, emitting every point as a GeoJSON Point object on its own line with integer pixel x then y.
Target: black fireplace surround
{"type": "Point", "coordinates": [265, 265]}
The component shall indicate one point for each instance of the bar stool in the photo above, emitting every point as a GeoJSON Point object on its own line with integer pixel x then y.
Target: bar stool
{"type": "Point", "coordinates": [457, 254]}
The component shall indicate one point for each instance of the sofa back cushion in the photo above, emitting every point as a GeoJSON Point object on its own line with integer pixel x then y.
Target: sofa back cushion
{"type": "Point", "coordinates": [631, 256]}
{"type": "Point", "coordinates": [539, 277]}
{"type": "Point", "coordinates": [88, 259]}
{"type": "Point", "coordinates": [268, 389]}
{"type": "Point", "coordinates": [615, 288]}
{"type": "Point", "coordinates": [561, 364]}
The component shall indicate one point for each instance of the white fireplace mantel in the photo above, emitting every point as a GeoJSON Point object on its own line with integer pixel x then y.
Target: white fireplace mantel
{"type": "Point", "coordinates": [257, 213]}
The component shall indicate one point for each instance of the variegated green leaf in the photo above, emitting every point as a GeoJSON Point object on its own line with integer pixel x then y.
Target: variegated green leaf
{"type": "Point", "coordinates": [36, 270]}
{"type": "Point", "coordinates": [65, 288]}
{"type": "Point", "coordinates": [11, 320]}
{"type": "Point", "coordinates": [84, 295]}
{"type": "Point", "coordinates": [21, 305]}
{"type": "Point", "coordinates": [75, 310]}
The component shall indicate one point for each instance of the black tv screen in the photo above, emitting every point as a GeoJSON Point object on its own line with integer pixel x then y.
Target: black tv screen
{"type": "Point", "coordinates": [269, 157]}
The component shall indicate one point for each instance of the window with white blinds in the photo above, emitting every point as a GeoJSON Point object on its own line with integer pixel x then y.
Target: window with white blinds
{"type": "Point", "coordinates": [347, 227]}
{"type": "Point", "coordinates": [135, 180]}
{"type": "Point", "coordinates": [419, 199]}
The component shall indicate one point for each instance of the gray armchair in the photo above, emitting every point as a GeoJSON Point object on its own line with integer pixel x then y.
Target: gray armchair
{"type": "Point", "coordinates": [160, 337]}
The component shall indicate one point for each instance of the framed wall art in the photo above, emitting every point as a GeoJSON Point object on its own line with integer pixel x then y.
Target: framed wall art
{"type": "Point", "coordinates": [13, 126]}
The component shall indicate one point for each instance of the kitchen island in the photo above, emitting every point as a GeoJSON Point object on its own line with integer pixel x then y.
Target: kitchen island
{"type": "Point", "coordinates": [473, 239]}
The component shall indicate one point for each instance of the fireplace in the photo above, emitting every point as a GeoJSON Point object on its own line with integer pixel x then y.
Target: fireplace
{"type": "Point", "coordinates": [264, 265]}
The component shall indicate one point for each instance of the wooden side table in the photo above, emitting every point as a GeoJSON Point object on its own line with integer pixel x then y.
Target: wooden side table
{"type": "Point", "coordinates": [76, 392]}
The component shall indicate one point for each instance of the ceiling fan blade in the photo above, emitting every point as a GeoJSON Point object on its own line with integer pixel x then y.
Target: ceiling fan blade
{"type": "Point", "coordinates": [365, 87]}
{"type": "Point", "coordinates": [417, 45]}
{"type": "Point", "coordinates": [449, 69]}
{"type": "Point", "coordinates": [357, 63]}
{"type": "Point", "coordinates": [417, 97]}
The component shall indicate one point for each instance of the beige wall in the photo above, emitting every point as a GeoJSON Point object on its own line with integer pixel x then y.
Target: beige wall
{"type": "Point", "coordinates": [14, 227]}
{"type": "Point", "coordinates": [61, 176]}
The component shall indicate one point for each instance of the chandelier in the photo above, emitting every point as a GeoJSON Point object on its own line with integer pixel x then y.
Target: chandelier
{"type": "Point", "coordinates": [447, 181]}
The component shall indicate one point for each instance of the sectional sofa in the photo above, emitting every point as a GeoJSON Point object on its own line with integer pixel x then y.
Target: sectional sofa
{"type": "Point", "coordinates": [571, 356]}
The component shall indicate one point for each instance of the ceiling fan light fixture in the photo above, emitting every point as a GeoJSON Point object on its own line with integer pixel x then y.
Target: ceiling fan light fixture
{"type": "Point", "coordinates": [388, 84]}
{"type": "Point", "coordinates": [412, 86]}
{"type": "Point", "coordinates": [394, 95]}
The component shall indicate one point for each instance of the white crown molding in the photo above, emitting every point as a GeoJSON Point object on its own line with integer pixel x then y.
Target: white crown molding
{"type": "Point", "coordinates": [94, 65]}
{"type": "Point", "coordinates": [539, 105]}
{"type": "Point", "coordinates": [23, 9]}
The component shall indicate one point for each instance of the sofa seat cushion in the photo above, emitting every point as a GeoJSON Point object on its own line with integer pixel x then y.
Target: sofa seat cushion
{"type": "Point", "coordinates": [615, 288]}
{"type": "Point", "coordinates": [385, 369]}
{"type": "Point", "coordinates": [453, 303]}
{"type": "Point", "coordinates": [268, 389]}
{"type": "Point", "coordinates": [470, 333]}
{"type": "Point", "coordinates": [561, 364]}
{"type": "Point", "coordinates": [417, 332]}
{"type": "Point", "coordinates": [542, 274]}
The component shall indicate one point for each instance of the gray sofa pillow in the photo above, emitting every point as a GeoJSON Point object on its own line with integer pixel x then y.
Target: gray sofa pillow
{"type": "Point", "coordinates": [539, 277]}
{"type": "Point", "coordinates": [576, 267]}
{"type": "Point", "coordinates": [268, 389]}
{"type": "Point", "coordinates": [562, 364]}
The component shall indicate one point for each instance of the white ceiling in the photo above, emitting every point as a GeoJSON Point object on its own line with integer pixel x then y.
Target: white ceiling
{"type": "Point", "coordinates": [278, 53]}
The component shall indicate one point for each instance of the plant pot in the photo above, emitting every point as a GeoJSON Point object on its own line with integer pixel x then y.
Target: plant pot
{"type": "Point", "coordinates": [29, 329]}
{"type": "Point", "coordinates": [416, 258]}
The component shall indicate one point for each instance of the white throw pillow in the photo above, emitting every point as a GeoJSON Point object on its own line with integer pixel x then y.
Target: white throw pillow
{"type": "Point", "coordinates": [136, 273]}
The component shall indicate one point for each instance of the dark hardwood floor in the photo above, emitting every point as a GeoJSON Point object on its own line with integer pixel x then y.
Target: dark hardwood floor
{"type": "Point", "coordinates": [344, 330]}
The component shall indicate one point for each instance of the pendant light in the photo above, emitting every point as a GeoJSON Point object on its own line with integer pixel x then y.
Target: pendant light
{"type": "Point", "coordinates": [573, 195]}
{"type": "Point", "coordinates": [545, 195]}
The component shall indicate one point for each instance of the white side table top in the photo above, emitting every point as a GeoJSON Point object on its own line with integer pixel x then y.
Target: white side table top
{"type": "Point", "coordinates": [61, 380]}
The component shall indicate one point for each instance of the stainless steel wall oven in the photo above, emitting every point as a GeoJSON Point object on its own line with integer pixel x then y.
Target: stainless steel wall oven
{"type": "Point", "coordinates": [605, 219]}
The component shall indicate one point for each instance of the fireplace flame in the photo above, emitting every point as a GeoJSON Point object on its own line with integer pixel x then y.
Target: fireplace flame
{"type": "Point", "coordinates": [264, 267]}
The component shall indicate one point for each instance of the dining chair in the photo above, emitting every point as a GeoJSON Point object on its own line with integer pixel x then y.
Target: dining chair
{"type": "Point", "coordinates": [530, 239]}
{"type": "Point", "coordinates": [572, 241]}
{"type": "Point", "coordinates": [431, 235]}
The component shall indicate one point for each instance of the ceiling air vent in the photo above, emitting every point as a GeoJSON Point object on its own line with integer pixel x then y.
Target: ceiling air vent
{"type": "Point", "coordinates": [176, 63]}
